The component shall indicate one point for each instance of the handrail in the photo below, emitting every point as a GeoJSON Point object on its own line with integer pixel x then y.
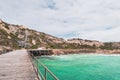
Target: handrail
{"type": "Point", "coordinates": [48, 70]}
{"type": "Point", "coordinates": [39, 73]}
{"type": "Point", "coordinates": [35, 68]}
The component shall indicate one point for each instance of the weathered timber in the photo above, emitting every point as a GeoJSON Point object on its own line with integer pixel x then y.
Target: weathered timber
{"type": "Point", "coordinates": [16, 65]}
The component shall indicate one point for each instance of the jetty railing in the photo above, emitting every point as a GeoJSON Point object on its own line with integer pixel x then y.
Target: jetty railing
{"type": "Point", "coordinates": [36, 64]}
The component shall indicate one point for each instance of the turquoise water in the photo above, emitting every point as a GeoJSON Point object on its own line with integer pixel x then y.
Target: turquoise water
{"type": "Point", "coordinates": [84, 66]}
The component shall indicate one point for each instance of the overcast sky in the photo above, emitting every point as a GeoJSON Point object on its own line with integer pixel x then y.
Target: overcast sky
{"type": "Point", "coordinates": [87, 19]}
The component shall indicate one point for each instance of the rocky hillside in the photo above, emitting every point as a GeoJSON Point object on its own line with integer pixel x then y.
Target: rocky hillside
{"type": "Point", "coordinates": [19, 36]}
{"type": "Point", "coordinates": [85, 42]}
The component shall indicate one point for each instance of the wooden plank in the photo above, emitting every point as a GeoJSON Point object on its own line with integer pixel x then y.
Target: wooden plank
{"type": "Point", "coordinates": [16, 65]}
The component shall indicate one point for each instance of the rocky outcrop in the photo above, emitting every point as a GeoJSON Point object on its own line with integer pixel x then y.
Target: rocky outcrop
{"type": "Point", "coordinates": [82, 51]}
{"type": "Point", "coordinates": [72, 51]}
{"type": "Point", "coordinates": [85, 42]}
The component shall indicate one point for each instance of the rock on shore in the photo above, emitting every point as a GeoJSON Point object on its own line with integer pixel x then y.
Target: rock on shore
{"type": "Point", "coordinates": [78, 51]}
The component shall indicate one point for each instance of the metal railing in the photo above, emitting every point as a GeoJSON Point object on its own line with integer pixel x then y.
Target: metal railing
{"type": "Point", "coordinates": [36, 64]}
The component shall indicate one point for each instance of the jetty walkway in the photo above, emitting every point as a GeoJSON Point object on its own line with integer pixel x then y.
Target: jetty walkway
{"type": "Point", "coordinates": [16, 65]}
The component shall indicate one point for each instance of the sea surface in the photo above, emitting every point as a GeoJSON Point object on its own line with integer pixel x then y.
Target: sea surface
{"type": "Point", "coordinates": [83, 66]}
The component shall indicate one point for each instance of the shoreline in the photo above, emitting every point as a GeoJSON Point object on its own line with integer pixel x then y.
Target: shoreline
{"type": "Point", "coordinates": [80, 51]}
{"type": "Point", "coordinates": [101, 54]}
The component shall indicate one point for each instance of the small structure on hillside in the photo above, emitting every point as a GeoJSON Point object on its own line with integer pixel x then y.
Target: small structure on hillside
{"type": "Point", "coordinates": [41, 48]}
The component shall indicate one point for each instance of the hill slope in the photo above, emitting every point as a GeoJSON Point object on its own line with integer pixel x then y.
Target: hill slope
{"type": "Point", "coordinates": [19, 36]}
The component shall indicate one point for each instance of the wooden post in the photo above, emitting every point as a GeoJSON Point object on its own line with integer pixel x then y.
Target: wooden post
{"type": "Point", "coordinates": [45, 74]}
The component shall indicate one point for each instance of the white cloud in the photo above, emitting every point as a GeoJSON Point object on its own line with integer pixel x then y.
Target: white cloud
{"type": "Point", "coordinates": [111, 35]}
{"type": "Point", "coordinates": [92, 19]}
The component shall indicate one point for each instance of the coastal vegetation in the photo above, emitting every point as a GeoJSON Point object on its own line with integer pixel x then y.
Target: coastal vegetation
{"type": "Point", "coordinates": [19, 36]}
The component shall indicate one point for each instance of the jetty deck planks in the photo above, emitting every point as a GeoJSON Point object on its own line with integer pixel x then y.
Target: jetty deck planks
{"type": "Point", "coordinates": [16, 65]}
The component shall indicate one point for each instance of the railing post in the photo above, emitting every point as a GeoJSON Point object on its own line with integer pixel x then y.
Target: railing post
{"type": "Point", "coordinates": [39, 65]}
{"type": "Point", "coordinates": [37, 69]}
{"type": "Point", "coordinates": [45, 74]}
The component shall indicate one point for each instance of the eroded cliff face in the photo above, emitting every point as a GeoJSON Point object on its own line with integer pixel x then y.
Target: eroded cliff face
{"type": "Point", "coordinates": [19, 36]}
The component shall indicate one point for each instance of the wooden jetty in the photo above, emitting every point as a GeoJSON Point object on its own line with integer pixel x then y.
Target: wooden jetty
{"type": "Point", "coordinates": [37, 52]}
{"type": "Point", "coordinates": [16, 65]}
